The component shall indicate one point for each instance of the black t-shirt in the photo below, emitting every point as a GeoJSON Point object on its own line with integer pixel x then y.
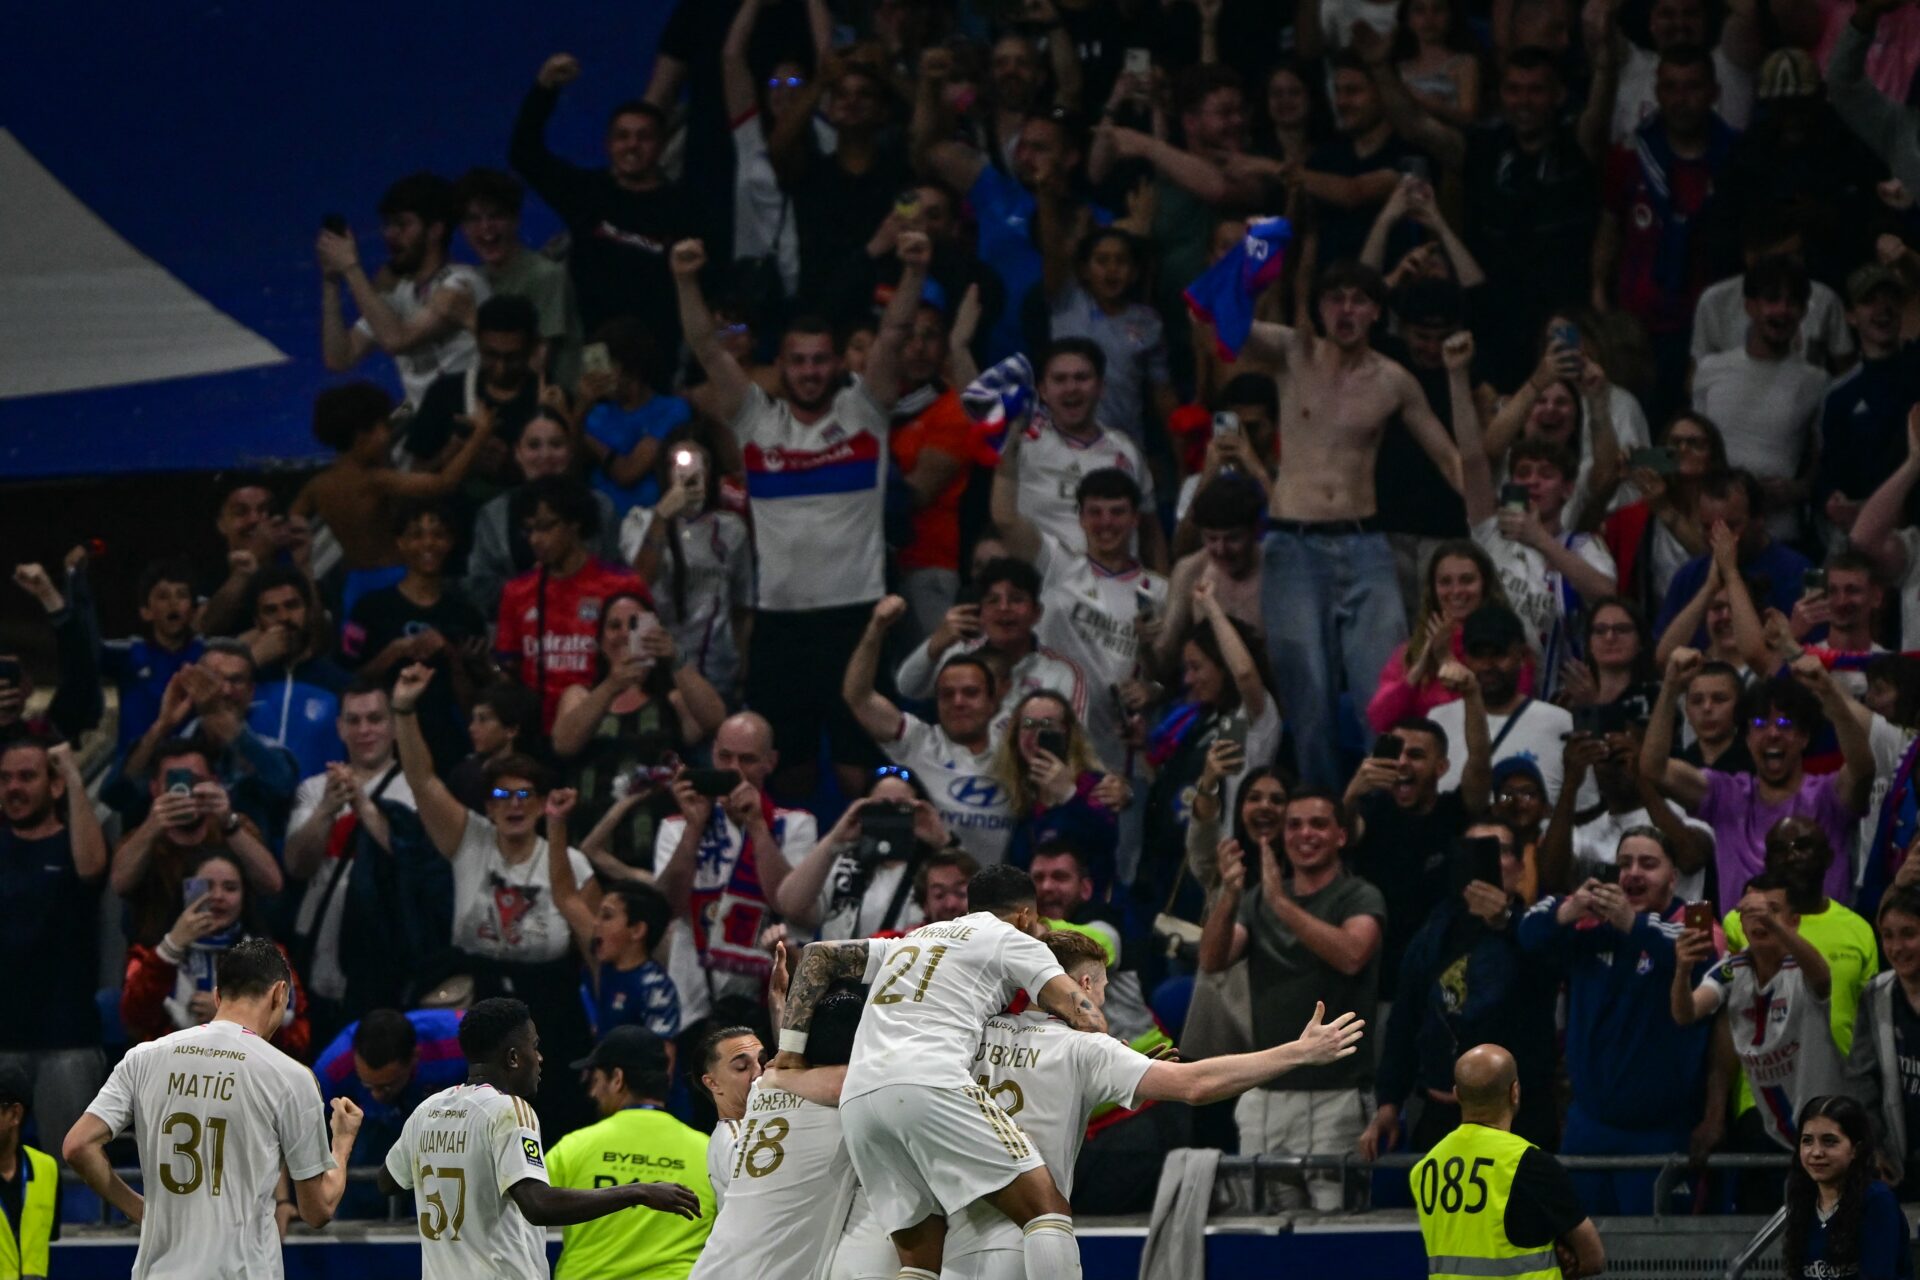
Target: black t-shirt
{"type": "Point", "coordinates": [1530, 222]}
{"type": "Point", "coordinates": [835, 212]}
{"type": "Point", "coordinates": [433, 425]}
{"type": "Point", "coordinates": [49, 946]}
{"type": "Point", "coordinates": [1738, 759]}
{"type": "Point", "coordinates": [1906, 1048]}
{"type": "Point", "coordinates": [1344, 231]}
{"type": "Point", "coordinates": [1405, 855]}
{"type": "Point", "coordinates": [1409, 492]}
{"type": "Point", "coordinates": [383, 616]}
{"type": "Point", "coordinates": [1542, 1205]}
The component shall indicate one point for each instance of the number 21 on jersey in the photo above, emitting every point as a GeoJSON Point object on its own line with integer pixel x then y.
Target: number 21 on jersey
{"type": "Point", "coordinates": [904, 961]}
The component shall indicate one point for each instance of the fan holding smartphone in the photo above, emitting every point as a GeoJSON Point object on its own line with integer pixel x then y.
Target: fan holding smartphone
{"type": "Point", "coordinates": [1057, 785]}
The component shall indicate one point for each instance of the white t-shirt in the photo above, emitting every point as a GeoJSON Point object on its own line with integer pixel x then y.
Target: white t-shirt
{"type": "Point", "coordinates": [850, 908]}
{"type": "Point", "coordinates": [1052, 466]}
{"type": "Point", "coordinates": [975, 807]}
{"type": "Point", "coordinates": [818, 492]}
{"type": "Point", "coordinates": [933, 990]}
{"type": "Point", "coordinates": [1596, 843]}
{"type": "Point", "coordinates": [1539, 736]}
{"type": "Point", "coordinates": [1088, 615]}
{"type": "Point", "coordinates": [717, 859]}
{"type": "Point", "coordinates": [1634, 101]}
{"type": "Point", "coordinates": [789, 1191]}
{"type": "Point", "coordinates": [1783, 1036]}
{"type": "Point", "coordinates": [214, 1111]}
{"type": "Point", "coordinates": [720, 1158]}
{"type": "Point", "coordinates": [454, 352]}
{"type": "Point", "coordinates": [1538, 592]}
{"type": "Point", "coordinates": [1042, 668]}
{"type": "Point", "coordinates": [324, 976]}
{"type": "Point", "coordinates": [460, 1152]}
{"type": "Point", "coordinates": [1720, 323]}
{"type": "Point", "coordinates": [760, 209]}
{"type": "Point", "coordinates": [507, 912]}
{"type": "Point", "coordinates": [1048, 1078]}
{"type": "Point", "coordinates": [1768, 411]}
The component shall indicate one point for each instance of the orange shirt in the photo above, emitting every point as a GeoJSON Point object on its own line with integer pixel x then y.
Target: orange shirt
{"type": "Point", "coordinates": [944, 426]}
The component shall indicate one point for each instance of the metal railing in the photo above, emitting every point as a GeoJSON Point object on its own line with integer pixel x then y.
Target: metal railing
{"type": "Point", "coordinates": [1762, 1238]}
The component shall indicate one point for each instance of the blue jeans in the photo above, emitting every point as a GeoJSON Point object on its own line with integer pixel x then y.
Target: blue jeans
{"type": "Point", "coordinates": [1626, 1191]}
{"type": "Point", "coordinates": [1331, 603]}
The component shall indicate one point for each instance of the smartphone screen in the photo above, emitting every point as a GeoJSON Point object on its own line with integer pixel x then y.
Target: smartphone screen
{"type": "Point", "coordinates": [194, 888]}
{"type": "Point", "coordinates": [1387, 746]}
{"type": "Point", "coordinates": [1514, 497]}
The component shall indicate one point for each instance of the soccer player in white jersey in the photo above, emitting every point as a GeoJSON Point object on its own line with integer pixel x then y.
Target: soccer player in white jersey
{"type": "Point", "coordinates": [729, 1064]}
{"type": "Point", "coordinates": [472, 1157]}
{"type": "Point", "coordinates": [790, 1184]}
{"type": "Point", "coordinates": [1049, 1079]}
{"type": "Point", "coordinates": [216, 1111]}
{"type": "Point", "coordinates": [926, 1141]}
{"type": "Point", "coordinates": [1095, 603]}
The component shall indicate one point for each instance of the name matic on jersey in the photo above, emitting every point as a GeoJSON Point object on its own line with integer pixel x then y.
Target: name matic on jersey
{"type": "Point", "coordinates": [189, 1085]}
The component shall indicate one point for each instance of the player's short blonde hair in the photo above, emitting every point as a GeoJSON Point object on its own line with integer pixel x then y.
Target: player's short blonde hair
{"type": "Point", "coordinates": [1072, 948]}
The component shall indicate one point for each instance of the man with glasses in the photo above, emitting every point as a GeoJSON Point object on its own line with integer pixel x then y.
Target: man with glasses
{"type": "Point", "coordinates": [1781, 716]}
{"type": "Point", "coordinates": [953, 758]}
{"type": "Point", "coordinates": [507, 330]}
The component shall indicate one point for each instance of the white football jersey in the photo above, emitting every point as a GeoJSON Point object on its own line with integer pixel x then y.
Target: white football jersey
{"type": "Point", "coordinates": [720, 1158]}
{"type": "Point", "coordinates": [1088, 616]}
{"type": "Point", "coordinates": [932, 991]}
{"type": "Point", "coordinates": [972, 805]}
{"type": "Point", "coordinates": [1052, 466]}
{"type": "Point", "coordinates": [460, 1151]}
{"type": "Point", "coordinates": [789, 1190]}
{"type": "Point", "coordinates": [214, 1111]}
{"type": "Point", "coordinates": [1049, 1079]}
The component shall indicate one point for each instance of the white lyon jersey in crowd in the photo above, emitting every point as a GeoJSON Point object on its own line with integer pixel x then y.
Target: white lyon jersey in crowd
{"type": "Point", "coordinates": [975, 808]}
{"type": "Point", "coordinates": [720, 1158]}
{"type": "Point", "coordinates": [789, 1190]}
{"type": "Point", "coordinates": [214, 1111]}
{"type": "Point", "coordinates": [932, 992]}
{"type": "Point", "coordinates": [460, 1151]}
{"type": "Point", "coordinates": [1043, 668]}
{"type": "Point", "coordinates": [1052, 466]}
{"type": "Point", "coordinates": [1088, 614]}
{"type": "Point", "coordinates": [1049, 1079]}
{"type": "Point", "coordinates": [453, 351]}
{"type": "Point", "coordinates": [818, 491]}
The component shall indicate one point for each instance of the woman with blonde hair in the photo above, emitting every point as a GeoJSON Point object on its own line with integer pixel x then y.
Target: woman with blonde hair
{"type": "Point", "coordinates": [1058, 787]}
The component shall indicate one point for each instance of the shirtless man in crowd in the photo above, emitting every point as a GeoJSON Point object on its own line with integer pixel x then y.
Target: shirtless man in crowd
{"type": "Point", "coordinates": [1327, 581]}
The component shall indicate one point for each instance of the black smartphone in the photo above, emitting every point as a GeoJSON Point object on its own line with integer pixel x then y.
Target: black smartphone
{"type": "Point", "coordinates": [1478, 859]}
{"type": "Point", "coordinates": [1601, 720]}
{"type": "Point", "coordinates": [1514, 497]}
{"type": "Point", "coordinates": [1234, 729]}
{"type": "Point", "coordinates": [1655, 458]}
{"type": "Point", "coordinates": [713, 783]}
{"type": "Point", "coordinates": [10, 671]}
{"type": "Point", "coordinates": [1607, 873]}
{"type": "Point", "coordinates": [180, 782]}
{"type": "Point", "coordinates": [969, 594]}
{"type": "Point", "coordinates": [1387, 746]}
{"type": "Point", "coordinates": [334, 222]}
{"type": "Point", "coordinates": [1053, 742]}
{"type": "Point", "coordinates": [887, 826]}
{"type": "Point", "coordinates": [1813, 580]}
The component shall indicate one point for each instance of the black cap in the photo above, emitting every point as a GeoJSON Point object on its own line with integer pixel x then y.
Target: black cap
{"type": "Point", "coordinates": [1430, 303]}
{"type": "Point", "coordinates": [632, 1049]}
{"type": "Point", "coordinates": [1491, 626]}
{"type": "Point", "coordinates": [15, 1086]}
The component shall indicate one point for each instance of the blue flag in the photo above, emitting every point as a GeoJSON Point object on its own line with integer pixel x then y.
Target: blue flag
{"type": "Point", "coordinates": [1224, 294]}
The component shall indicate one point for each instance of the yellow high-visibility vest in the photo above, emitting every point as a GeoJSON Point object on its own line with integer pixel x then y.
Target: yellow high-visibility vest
{"type": "Point", "coordinates": [25, 1256]}
{"type": "Point", "coordinates": [1461, 1189]}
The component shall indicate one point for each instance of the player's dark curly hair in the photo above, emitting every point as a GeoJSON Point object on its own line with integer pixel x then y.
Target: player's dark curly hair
{"type": "Point", "coordinates": [836, 1019]}
{"type": "Point", "coordinates": [998, 888]}
{"type": "Point", "coordinates": [487, 1027]}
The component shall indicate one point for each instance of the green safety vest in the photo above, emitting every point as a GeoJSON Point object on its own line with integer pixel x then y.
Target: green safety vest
{"type": "Point", "coordinates": [1461, 1190]}
{"type": "Point", "coordinates": [25, 1257]}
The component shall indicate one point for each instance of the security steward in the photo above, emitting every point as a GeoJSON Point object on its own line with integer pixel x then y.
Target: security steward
{"type": "Point", "coordinates": [1492, 1204]}
{"type": "Point", "coordinates": [29, 1186]}
{"type": "Point", "coordinates": [636, 1140]}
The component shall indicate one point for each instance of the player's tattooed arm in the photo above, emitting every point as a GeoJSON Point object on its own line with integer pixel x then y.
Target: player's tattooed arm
{"type": "Point", "coordinates": [821, 965]}
{"type": "Point", "coordinates": [1063, 998]}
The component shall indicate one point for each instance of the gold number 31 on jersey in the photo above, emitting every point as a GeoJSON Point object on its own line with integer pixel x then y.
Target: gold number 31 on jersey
{"type": "Point", "coordinates": [904, 961]}
{"type": "Point", "coordinates": [215, 1128]}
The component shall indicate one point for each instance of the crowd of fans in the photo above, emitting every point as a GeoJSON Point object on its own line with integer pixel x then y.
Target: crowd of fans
{"type": "Point", "coordinates": [1504, 601]}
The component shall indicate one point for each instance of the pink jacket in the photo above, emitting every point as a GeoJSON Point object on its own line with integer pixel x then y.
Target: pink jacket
{"type": "Point", "coordinates": [1394, 699]}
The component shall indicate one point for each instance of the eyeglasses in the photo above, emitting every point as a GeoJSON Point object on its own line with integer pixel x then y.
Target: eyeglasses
{"type": "Point", "coordinates": [517, 793]}
{"type": "Point", "coordinates": [1511, 796]}
{"type": "Point", "coordinates": [893, 771]}
{"type": "Point", "coordinates": [1778, 722]}
{"type": "Point", "coordinates": [730, 330]}
{"type": "Point", "coordinates": [1038, 722]}
{"type": "Point", "coordinates": [790, 82]}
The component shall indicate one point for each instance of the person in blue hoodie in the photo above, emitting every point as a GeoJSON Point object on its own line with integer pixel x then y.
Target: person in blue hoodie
{"type": "Point", "coordinates": [141, 666]}
{"type": "Point", "coordinates": [1638, 1079]}
{"type": "Point", "coordinates": [1463, 979]}
{"type": "Point", "coordinates": [296, 694]}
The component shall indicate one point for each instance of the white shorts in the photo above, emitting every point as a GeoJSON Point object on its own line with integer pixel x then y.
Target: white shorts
{"type": "Point", "coordinates": [988, 1264]}
{"type": "Point", "coordinates": [922, 1150]}
{"type": "Point", "coordinates": [865, 1251]}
